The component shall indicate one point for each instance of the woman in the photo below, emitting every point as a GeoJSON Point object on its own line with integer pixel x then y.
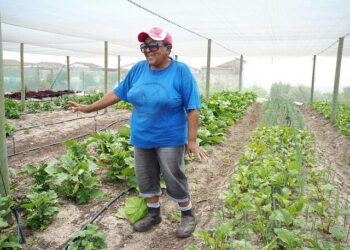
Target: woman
{"type": "Point", "coordinates": [164, 122]}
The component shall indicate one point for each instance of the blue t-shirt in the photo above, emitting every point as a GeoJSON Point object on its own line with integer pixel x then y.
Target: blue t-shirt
{"type": "Point", "coordinates": [161, 99]}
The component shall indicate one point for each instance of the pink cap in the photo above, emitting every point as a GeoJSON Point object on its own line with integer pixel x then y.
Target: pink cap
{"type": "Point", "coordinates": [157, 34]}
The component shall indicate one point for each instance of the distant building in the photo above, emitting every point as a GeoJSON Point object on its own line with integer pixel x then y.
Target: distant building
{"type": "Point", "coordinates": [223, 76]}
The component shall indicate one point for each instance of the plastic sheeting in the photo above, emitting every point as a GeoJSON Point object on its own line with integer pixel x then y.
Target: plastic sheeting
{"type": "Point", "coordinates": [251, 28]}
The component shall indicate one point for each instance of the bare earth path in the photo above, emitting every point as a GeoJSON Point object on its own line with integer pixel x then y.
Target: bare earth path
{"type": "Point", "coordinates": [207, 180]}
{"type": "Point", "coordinates": [333, 149]}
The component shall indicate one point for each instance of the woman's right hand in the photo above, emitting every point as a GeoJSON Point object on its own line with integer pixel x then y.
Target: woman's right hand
{"type": "Point", "coordinates": [78, 107]}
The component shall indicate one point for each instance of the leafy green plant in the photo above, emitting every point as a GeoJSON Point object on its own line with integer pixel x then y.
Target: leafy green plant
{"type": "Point", "coordinates": [116, 153]}
{"type": "Point", "coordinates": [135, 209]}
{"type": "Point", "coordinates": [9, 129]}
{"type": "Point", "coordinates": [267, 197]}
{"type": "Point", "coordinates": [13, 110]}
{"type": "Point", "coordinates": [174, 217]}
{"type": "Point", "coordinates": [47, 106]}
{"type": "Point", "coordinates": [41, 208]}
{"type": "Point", "coordinates": [40, 175]}
{"type": "Point", "coordinates": [122, 105]}
{"type": "Point", "coordinates": [9, 241]}
{"type": "Point", "coordinates": [91, 238]}
{"type": "Point", "coordinates": [73, 175]}
{"type": "Point", "coordinates": [343, 115]}
{"type": "Point", "coordinates": [33, 107]}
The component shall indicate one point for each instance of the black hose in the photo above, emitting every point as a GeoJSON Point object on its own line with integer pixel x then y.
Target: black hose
{"type": "Point", "coordinates": [96, 215]}
{"type": "Point", "coordinates": [56, 143]}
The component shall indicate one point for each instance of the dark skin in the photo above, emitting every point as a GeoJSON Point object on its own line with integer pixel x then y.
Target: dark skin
{"type": "Point", "coordinates": [158, 60]}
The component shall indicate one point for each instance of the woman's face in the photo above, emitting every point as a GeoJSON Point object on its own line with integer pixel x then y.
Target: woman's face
{"type": "Point", "coordinates": [156, 53]}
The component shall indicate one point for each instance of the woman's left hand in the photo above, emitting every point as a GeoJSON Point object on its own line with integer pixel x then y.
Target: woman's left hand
{"type": "Point", "coordinates": [193, 148]}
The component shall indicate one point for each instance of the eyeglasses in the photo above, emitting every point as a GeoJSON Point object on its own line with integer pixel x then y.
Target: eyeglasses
{"type": "Point", "coordinates": [153, 47]}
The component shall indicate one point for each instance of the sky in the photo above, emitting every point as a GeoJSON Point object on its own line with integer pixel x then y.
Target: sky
{"type": "Point", "coordinates": [258, 71]}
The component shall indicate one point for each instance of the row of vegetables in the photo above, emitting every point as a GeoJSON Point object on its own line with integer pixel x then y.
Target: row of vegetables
{"type": "Point", "coordinates": [14, 110]}
{"type": "Point", "coordinates": [277, 197]}
{"type": "Point", "coordinates": [343, 115]}
{"type": "Point", "coordinates": [75, 174]}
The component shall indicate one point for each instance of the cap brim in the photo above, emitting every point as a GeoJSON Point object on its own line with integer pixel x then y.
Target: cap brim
{"type": "Point", "coordinates": [142, 36]}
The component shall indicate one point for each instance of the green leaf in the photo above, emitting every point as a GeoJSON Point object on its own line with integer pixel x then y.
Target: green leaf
{"type": "Point", "coordinates": [135, 209]}
{"type": "Point", "coordinates": [282, 215]}
{"type": "Point", "coordinates": [338, 232]}
{"type": "Point", "coordinates": [121, 213]}
{"type": "Point", "coordinates": [290, 239]}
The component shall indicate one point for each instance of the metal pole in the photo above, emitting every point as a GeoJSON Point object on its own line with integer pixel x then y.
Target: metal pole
{"type": "Point", "coordinates": [83, 84]}
{"type": "Point", "coordinates": [38, 78]}
{"type": "Point", "coordinates": [176, 57]}
{"type": "Point", "coordinates": [240, 73]}
{"type": "Point", "coordinates": [208, 70]}
{"type": "Point", "coordinates": [4, 171]}
{"type": "Point", "coordinates": [23, 90]}
{"type": "Point", "coordinates": [313, 80]}
{"type": "Point", "coordinates": [336, 80]}
{"type": "Point", "coordinates": [106, 67]}
{"type": "Point", "coordinates": [106, 70]}
{"type": "Point", "coordinates": [68, 74]}
{"type": "Point", "coordinates": [119, 77]}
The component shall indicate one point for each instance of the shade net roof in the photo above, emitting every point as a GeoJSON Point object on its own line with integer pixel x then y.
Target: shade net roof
{"type": "Point", "coordinates": [251, 27]}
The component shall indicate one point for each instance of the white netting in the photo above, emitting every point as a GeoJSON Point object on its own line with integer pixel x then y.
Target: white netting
{"type": "Point", "coordinates": [251, 28]}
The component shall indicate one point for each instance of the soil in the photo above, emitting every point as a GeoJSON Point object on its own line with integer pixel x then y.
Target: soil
{"type": "Point", "coordinates": [333, 151]}
{"type": "Point", "coordinates": [207, 179]}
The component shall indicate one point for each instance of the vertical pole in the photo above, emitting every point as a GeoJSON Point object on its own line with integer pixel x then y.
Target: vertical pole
{"type": "Point", "coordinates": [84, 82]}
{"type": "Point", "coordinates": [119, 77]}
{"type": "Point", "coordinates": [240, 73]}
{"type": "Point", "coordinates": [23, 90]}
{"type": "Point", "coordinates": [176, 57]}
{"type": "Point", "coordinates": [208, 70]}
{"type": "Point", "coordinates": [4, 172]}
{"type": "Point", "coordinates": [106, 67]}
{"type": "Point", "coordinates": [336, 80]}
{"type": "Point", "coordinates": [37, 78]}
{"type": "Point", "coordinates": [106, 70]}
{"type": "Point", "coordinates": [313, 80]}
{"type": "Point", "coordinates": [68, 74]}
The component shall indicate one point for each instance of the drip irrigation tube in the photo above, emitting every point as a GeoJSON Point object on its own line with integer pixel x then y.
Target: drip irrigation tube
{"type": "Point", "coordinates": [69, 120]}
{"type": "Point", "coordinates": [74, 138]}
{"type": "Point", "coordinates": [96, 215]}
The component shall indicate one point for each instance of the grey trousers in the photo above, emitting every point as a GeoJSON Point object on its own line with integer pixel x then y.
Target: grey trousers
{"type": "Point", "coordinates": [149, 163]}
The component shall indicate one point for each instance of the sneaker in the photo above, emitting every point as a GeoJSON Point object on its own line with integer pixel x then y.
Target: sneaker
{"type": "Point", "coordinates": [148, 222]}
{"type": "Point", "coordinates": [187, 226]}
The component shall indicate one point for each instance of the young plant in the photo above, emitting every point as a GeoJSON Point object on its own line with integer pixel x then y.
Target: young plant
{"type": "Point", "coordinates": [47, 106]}
{"type": "Point", "coordinates": [91, 238]}
{"type": "Point", "coordinates": [41, 209]}
{"type": "Point", "coordinates": [9, 129]}
{"type": "Point", "coordinates": [33, 107]}
{"type": "Point", "coordinates": [40, 174]}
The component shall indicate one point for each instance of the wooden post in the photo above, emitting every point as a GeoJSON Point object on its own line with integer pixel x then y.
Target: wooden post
{"type": "Point", "coordinates": [4, 171]}
{"type": "Point", "coordinates": [23, 86]}
{"type": "Point", "coordinates": [68, 74]}
{"type": "Point", "coordinates": [37, 78]}
{"type": "Point", "coordinates": [84, 82]}
{"type": "Point", "coordinates": [119, 76]}
{"type": "Point", "coordinates": [240, 73]}
{"type": "Point", "coordinates": [313, 80]}
{"type": "Point", "coordinates": [336, 80]}
{"type": "Point", "coordinates": [106, 70]}
{"type": "Point", "coordinates": [208, 70]}
{"type": "Point", "coordinates": [176, 57]}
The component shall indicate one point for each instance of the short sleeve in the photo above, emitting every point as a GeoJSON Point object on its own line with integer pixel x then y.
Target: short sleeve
{"type": "Point", "coordinates": [189, 89]}
{"type": "Point", "coordinates": [123, 88]}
